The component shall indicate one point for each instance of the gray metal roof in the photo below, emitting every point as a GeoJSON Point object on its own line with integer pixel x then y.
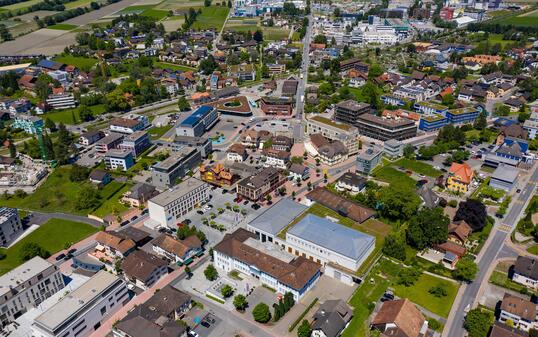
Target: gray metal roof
{"type": "Point", "coordinates": [274, 219]}
{"type": "Point", "coordinates": [333, 236]}
{"type": "Point", "coordinates": [505, 173]}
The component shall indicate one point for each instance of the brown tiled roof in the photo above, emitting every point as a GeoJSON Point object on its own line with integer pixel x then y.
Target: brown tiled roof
{"type": "Point", "coordinates": [404, 314]}
{"type": "Point", "coordinates": [294, 274]}
{"type": "Point", "coordinates": [110, 239]}
{"type": "Point", "coordinates": [339, 204]}
{"type": "Point", "coordinates": [502, 330]}
{"type": "Point", "coordinates": [519, 307]}
{"type": "Point", "coordinates": [237, 148]}
{"type": "Point", "coordinates": [124, 122]}
{"type": "Point", "coordinates": [452, 247]}
{"type": "Point", "coordinates": [175, 246]}
{"type": "Point", "coordinates": [276, 153]}
{"type": "Point", "coordinates": [460, 229]}
{"type": "Point", "coordinates": [141, 265]}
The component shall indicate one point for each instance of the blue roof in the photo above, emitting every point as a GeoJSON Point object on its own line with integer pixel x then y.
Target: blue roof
{"type": "Point", "coordinates": [49, 64]}
{"type": "Point", "coordinates": [197, 115]}
{"type": "Point", "coordinates": [333, 236]}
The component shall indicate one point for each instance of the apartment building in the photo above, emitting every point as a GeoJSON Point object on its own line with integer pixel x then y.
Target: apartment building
{"type": "Point", "coordinates": [281, 271]}
{"type": "Point", "coordinates": [276, 158]}
{"type": "Point", "coordinates": [112, 141]}
{"type": "Point", "coordinates": [62, 101]}
{"type": "Point", "coordinates": [350, 110]}
{"type": "Point", "coordinates": [277, 106]}
{"type": "Point", "coordinates": [169, 207]}
{"type": "Point", "coordinates": [129, 125]}
{"type": "Point", "coordinates": [166, 173]}
{"type": "Point", "coordinates": [82, 311]}
{"type": "Point", "coordinates": [368, 159]}
{"type": "Point", "coordinates": [201, 120]}
{"type": "Point", "coordinates": [119, 159]}
{"type": "Point", "coordinates": [384, 128]}
{"type": "Point", "coordinates": [260, 184]}
{"type": "Point", "coordinates": [520, 312]}
{"type": "Point", "coordinates": [90, 137]}
{"type": "Point", "coordinates": [10, 225]}
{"type": "Point", "coordinates": [27, 286]}
{"type": "Point", "coordinates": [136, 143]}
{"type": "Point", "coordinates": [144, 269]}
{"type": "Point", "coordinates": [345, 133]}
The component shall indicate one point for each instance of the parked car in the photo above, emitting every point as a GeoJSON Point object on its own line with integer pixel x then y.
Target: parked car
{"type": "Point", "coordinates": [60, 257]}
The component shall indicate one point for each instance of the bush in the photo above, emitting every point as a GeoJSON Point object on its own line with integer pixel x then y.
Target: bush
{"type": "Point", "coordinates": [438, 291]}
{"type": "Point", "coordinates": [434, 324]}
{"type": "Point", "coordinates": [453, 203]}
{"type": "Point", "coordinates": [211, 273]}
{"type": "Point", "coordinates": [408, 276]}
{"type": "Point", "coordinates": [226, 291]}
{"type": "Point", "coordinates": [261, 313]}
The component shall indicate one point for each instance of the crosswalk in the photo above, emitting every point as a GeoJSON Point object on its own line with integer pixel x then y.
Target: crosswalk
{"type": "Point", "coordinates": [505, 228]}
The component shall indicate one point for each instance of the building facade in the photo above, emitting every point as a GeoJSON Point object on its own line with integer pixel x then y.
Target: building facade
{"type": "Point", "coordinates": [201, 120]}
{"type": "Point", "coordinates": [119, 159]}
{"type": "Point", "coordinates": [166, 173]}
{"type": "Point", "coordinates": [262, 183]}
{"type": "Point", "coordinates": [10, 225]}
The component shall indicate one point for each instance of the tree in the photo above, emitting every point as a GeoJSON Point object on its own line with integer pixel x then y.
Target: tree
{"type": "Point", "coordinates": [226, 291]}
{"type": "Point", "coordinates": [481, 123]}
{"type": "Point", "coordinates": [183, 104]}
{"type": "Point", "coordinates": [394, 247]}
{"type": "Point", "coordinates": [85, 113]}
{"type": "Point", "coordinates": [188, 271]}
{"type": "Point", "coordinates": [12, 150]}
{"type": "Point", "coordinates": [427, 228]}
{"type": "Point", "coordinates": [258, 36]}
{"type": "Point", "coordinates": [240, 302]}
{"type": "Point", "coordinates": [261, 313]}
{"type": "Point", "coordinates": [49, 124]}
{"type": "Point", "coordinates": [398, 203]}
{"type": "Point", "coordinates": [88, 198]}
{"type": "Point", "coordinates": [288, 301]}
{"type": "Point", "coordinates": [478, 322]}
{"type": "Point", "coordinates": [207, 3]}
{"type": "Point", "coordinates": [473, 212]}
{"type": "Point", "coordinates": [304, 329]}
{"type": "Point", "coordinates": [466, 269]}
{"type": "Point", "coordinates": [438, 291]}
{"type": "Point", "coordinates": [409, 151]}
{"type": "Point", "coordinates": [211, 273]}
{"type": "Point", "coordinates": [30, 250]}
{"type": "Point", "coordinates": [79, 173]}
{"type": "Point", "coordinates": [408, 276]}
{"type": "Point", "coordinates": [523, 116]}
{"type": "Point", "coordinates": [229, 4]}
{"type": "Point", "coordinates": [533, 333]}
{"type": "Point", "coordinates": [502, 110]}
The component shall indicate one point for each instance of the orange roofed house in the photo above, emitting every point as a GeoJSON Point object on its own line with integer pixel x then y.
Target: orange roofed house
{"type": "Point", "coordinates": [460, 177]}
{"type": "Point", "coordinates": [400, 318]}
{"type": "Point", "coordinates": [217, 175]}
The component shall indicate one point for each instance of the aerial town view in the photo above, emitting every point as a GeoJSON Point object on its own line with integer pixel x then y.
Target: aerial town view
{"type": "Point", "coordinates": [268, 168]}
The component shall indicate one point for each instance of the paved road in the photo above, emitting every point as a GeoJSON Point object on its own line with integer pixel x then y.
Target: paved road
{"type": "Point", "coordinates": [300, 96]}
{"type": "Point", "coordinates": [495, 249]}
{"type": "Point", "coordinates": [41, 217]}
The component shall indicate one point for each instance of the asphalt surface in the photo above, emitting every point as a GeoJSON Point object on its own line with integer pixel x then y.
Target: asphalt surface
{"type": "Point", "coordinates": [40, 218]}
{"type": "Point", "coordinates": [301, 87]}
{"type": "Point", "coordinates": [495, 249]}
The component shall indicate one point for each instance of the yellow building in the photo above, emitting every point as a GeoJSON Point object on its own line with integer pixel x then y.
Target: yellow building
{"type": "Point", "coordinates": [460, 177]}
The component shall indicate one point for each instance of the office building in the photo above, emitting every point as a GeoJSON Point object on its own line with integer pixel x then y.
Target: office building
{"type": "Point", "coordinates": [81, 312]}
{"type": "Point", "coordinates": [136, 143]}
{"type": "Point", "coordinates": [167, 172]}
{"type": "Point", "coordinates": [277, 106]}
{"type": "Point", "coordinates": [384, 128]}
{"type": "Point", "coordinates": [27, 286]}
{"type": "Point", "coordinates": [345, 133]}
{"type": "Point", "coordinates": [62, 101]}
{"type": "Point", "coordinates": [112, 141]}
{"type": "Point", "coordinates": [393, 148]}
{"type": "Point", "coordinates": [368, 159]}
{"type": "Point", "coordinates": [504, 177]}
{"type": "Point", "coordinates": [143, 268]}
{"type": "Point", "coordinates": [279, 270]}
{"type": "Point", "coordinates": [350, 110]}
{"type": "Point", "coordinates": [117, 159]}
{"type": "Point", "coordinates": [10, 225]}
{"type": "Point", "coordinates": [432, 122]}
{"type": "Point", "coordinates": [169, 207]}
{"type": "Point", "coordinates": [90, 137]}
{"type": "Point", "coordinates": [257, 186]}
{"type": "Point", "coordinates": [200, 121]}
{"type": "Point", "coordinates": [129, 124]}
{"type": "Point", "coordinates": [204, 145]}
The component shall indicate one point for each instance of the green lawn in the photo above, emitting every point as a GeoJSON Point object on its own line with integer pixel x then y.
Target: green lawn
{"type": "Point", "coordinates": [20, 5]}
{"type": "Point", "coordinates": [58, 194]}
{"type": "Point", "coordinates": [52, 236]}
{"type": "Point", "coordinates": [275, 33]}
{"type": "Point", "coordinates": [211, 17]}
{"type": "Point", "coordinates": [418, 293]}
{"type": "Point", "coordinates": [137, 9]}
{"type": "Point", "coordinates": [171, 66]}
{"type": "Point", "coordinates": [418, 167]}
{"type": "Point", "coordinates": [158, 132]}
{"type": "Point", "coordinates": [394, 177]}
{"type": "Point", "coordinates": [533, 249]}
{"type": "Point", "coordinates": [66, 116]}
{"type": "Point", "coordinates": [62, 26]}
{"type": "Point", "coordinates": [83, 63]}
{"type": "Point", "coordinates": [367, 293]}
{"type": "Point", "coordinates": [156, 14]}
{"type": "Point", "coordinates": [501, 279]}
{"type": "Point", "coordinates": [522, 21]}
{"type": "Point", "coordinates": [113, 204]}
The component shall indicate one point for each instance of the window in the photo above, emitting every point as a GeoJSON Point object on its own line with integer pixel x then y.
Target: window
{"type": "Point", "coordinates": [103, 310]}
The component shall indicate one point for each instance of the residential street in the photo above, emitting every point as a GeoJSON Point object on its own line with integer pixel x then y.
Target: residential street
{"type": "Point", "coordinates": [495, 248]}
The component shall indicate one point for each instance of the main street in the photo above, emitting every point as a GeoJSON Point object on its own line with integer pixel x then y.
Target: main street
{"type": "Point", "coordinates": [301, 87]}
{"type": "Point", "coordinates": [495, 248]}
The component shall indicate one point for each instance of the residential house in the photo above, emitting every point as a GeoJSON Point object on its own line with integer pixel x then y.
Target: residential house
{"type": "Point", "coordinates": [521, 313]}
{"type": "Point", "coordinates": [400, 318]}
{"type": "Point", "coordinates": [452, 251]}
{"type": "Point", "coordinates": [114, 245]}
{"type": "Point", "coordinates": [503, 330]}
{"type": "Point", "coordinates": [177, 251]}
{"type": "Point", "coordinates": [90, 137]}
{"type": "Point", "coordinates": [458, 232]}
{"type": "Point", "coordinates": [460, 177]}
{"type": "Point", "coordinates": [119, 159]}
{"type": "Point", "coordinates": [217, 175]}
{"type": "Point", "coordinates": [332, 317]}
{"type": "Point", "coordinates": [276, 158]}
{"type": "Point", "coordinates": [282, 143]}
{"type": "Point", "coordinates": [144, 269]}
{"type": "Point", "coordinates": [526, 272]}
{"type": "Point", "coordinates": [257, 186]}
{"type": "Point", "coordinates": [329, 152]}
{"type": "Point", "coordinates": [429, 198]}
{"type": "Point", "coordinates": [100, 177]}
{"type": "Point", "coordinates": [139, 194]}
{"type": "Point", "coordinates": [350, 182]}
{"type": "Point", "coordinates": [237, 153]}
{"type": "Point", "coordinates": [298, 171]}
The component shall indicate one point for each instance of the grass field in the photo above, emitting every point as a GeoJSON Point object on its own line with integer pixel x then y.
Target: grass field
{"type": "Point", "coordinates": [533, 249]}
{"type": "Point", "coordinates": [501, 279]}
{"type": "Point", "coordinates": [21, 5]}
{"type": "Point", "coordinates": [79, 3]}
{"type": "Point", "coordinates": [418, 293]}
{"type": "Point", "coordinates": [394, 177]}
{"type": "Point", "coordinates": [83, 63]}
{"type": "Point", "coordinates": [211, 17]}
{"type": "Point", "coordinates": [418, 167]}
{"type": "Point", "coordinates": [179, 4]}
{"type": "Point", "coordinates": [52, 236]}
{"type": "Point", "coordinates": [158, 132]}
{"type": "Point", "coordinates": [113, 204]}
{"type": "Point", "coordinates": [275, 33]}
{"type": "Point", "coordinates": [58, 194]}
{"type": "Point", "coordinates": [528, 19]}
{"type": "Point", "coordinates": [62, 26]}
{"type": "Point", "coordinates": [66, 116]}
{"type": "Point", "coordinates": [164, 65]}
{"type": "Point", "coordinates": [137, 9]}
{"type": "Point", "coordinates": [155, 14]}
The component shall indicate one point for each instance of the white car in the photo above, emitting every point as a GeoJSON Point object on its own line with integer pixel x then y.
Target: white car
{"type": "Point", "coordinates": [192, 333]}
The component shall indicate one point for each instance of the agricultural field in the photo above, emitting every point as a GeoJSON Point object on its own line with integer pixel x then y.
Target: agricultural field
{"type": "Point", "coordinates": [137, 9]}
{"type": "Point", "coordinates": [172, 23]}
{"type": "Point", "coordinates": [253, 24]}
{"type": "Point", "coordinates": [62, 26]}
{"type": "Point", "coordinates": [52, 236]}
{"type": "Point", "coordinates": [84, 63]}
{"type": "Point", "coordinates": [20, 5]}
{"type": "Point", "coordinates": [211, 17]}
{"type": "Point", "coordinates": [80, 3]}
{"type": "Point", "coordinates": [529, 19]}
{"type": "Point", "coordinates": [171, 5]}
{"type": "Point", "coordinates": [171, 66]}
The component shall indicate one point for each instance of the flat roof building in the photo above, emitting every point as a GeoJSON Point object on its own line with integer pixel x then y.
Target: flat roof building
{"type": "Point", "coordinates": [384, 128]}
{"type": "Point", "coordinates": [82, 311]}
{"type": "Point", "coordinates": [10, 225]}
{"type": "Point", "coordinates": [348, 111]}
{"type": "Point", "coordinates": [201, 120]}
{"type": "Point", "coordinates": [165, 173]}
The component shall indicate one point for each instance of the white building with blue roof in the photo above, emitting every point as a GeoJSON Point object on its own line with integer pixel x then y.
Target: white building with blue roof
{"type": "Point", "coordinates": [200, 121]}
{"type": "Point", "coordinates": [342, 250]}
